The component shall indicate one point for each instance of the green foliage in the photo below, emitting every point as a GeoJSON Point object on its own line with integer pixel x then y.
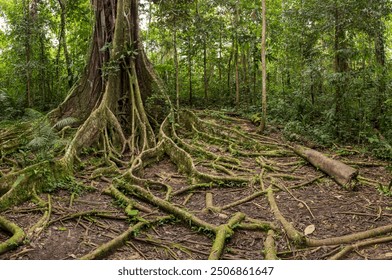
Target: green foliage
{"type": "Point", "coordinates": [31, 60]}
{"type": "Point", "coordinates": [329, 86]}
{"type": "Point", "coordinates": [69, 121]}
{"type": "Point", "coordinates": [10, 107]}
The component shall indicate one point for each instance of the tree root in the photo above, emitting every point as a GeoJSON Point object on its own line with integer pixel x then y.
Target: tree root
{"type": "Point", "coordinates": [134, 150]}
{"type": "Point", "coordinates": [349, 237]}
{"type": "Point", "coordinates": [23, 184]}
{"type": "Point", "coordinates": [257, 225]}
{"type": "Point", "coordinates": [130, 204]}
{"type": "Point", "coordinates": [37, 229]}
{"type": "Point", "coordinates": [224, 232]}
{"type": "Point", "coordinates": [168, 207]}
{"type": "Point", "coordinates": [88, 213]}
{"type": "Point", "coordinates": [270, 252]}
{"type": "Point", "coordinates": [113, 244]}
{"type": "Point", "coordinates": [294, 235]}
{"type": "Point", "coordinates": [347, 249]}
{"type": "Point", "coordinates": [17, 238]}
{"type": "Point", "coordinates": [299, 239]}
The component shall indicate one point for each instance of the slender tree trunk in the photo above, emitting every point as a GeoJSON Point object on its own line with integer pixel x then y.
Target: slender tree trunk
{"type": "Point", "coordinates": [245, 65]}
{"type": "Point", "coordinates": [190, 70]}
{"type": "Point", "coordinates": [237, 79]}
{"type": "Point", "coordinates": [232, 51]}
{"type": "Point", "coordinates": [63, 45]}
{"type": "Point", "coordinates": [28, 50]}
{"type": "Point", "coordinates": [236, 54]}
{"type": "Point", "coordinates": [220, 54]}
{"type": "Point", "coordinates": [264, 67]}
{"type": "Point", "coordinates": [176, 69]}
{"type": "Point", "coordinates": [63, 41]}
{"type": "Point", "coordinates": [205, 69]}
{"type": "Point", "coordinates": [379, 47]}
{"type": "Point", "coordinates": [341, 67]}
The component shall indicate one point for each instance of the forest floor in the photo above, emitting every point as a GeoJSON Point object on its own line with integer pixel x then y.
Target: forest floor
{"type": "Point", "coordinates": [310, 200]}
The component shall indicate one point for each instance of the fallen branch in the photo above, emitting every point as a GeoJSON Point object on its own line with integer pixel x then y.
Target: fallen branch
{"type": "Point", "coordinates": [343, 174]}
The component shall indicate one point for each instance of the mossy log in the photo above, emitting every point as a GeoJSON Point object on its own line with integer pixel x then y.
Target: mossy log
{"type": "Point", "coordinates": [343, 174]}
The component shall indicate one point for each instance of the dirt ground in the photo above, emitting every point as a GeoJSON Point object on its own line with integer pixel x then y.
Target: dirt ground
{"type": "Point", "coordinates": [80, 223]}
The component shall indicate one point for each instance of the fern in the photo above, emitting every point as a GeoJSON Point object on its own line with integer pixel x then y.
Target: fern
{"type": "Point", "coordinates": [9, 107]}
{"type": "Point", "coordinates": [65, 122]}
{"type": "Point", "coordinates": [38, 143]}
{"type": "Point", "coordinates": [32, 114]}
{"type": "Point", "coordinates": [44, 137]}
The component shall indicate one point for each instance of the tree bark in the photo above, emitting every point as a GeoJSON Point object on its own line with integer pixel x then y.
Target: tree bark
{"type": "Point", "coordinates": [176, 69]}
{"type": "Point", "coordinates": [343, 174]}
{"type": "Point", "coordinates": [236, 54]}
{"type": "Point", "coordinates": [341, 67]}
{"type": "Point", "coordinates": [63, 42]}
{"type": "Point", "coordinates": [110, 96]}
{"type": "Point", "coordinates": [264, 67]}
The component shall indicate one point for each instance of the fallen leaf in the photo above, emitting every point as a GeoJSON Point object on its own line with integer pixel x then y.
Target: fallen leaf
{"type": "Point", "coordinates": [223, 216]}
{"type": "Point", "coordinates": [309, 229]}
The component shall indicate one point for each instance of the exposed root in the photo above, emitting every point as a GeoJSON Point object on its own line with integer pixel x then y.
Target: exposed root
{"type": "Point", "coordinates": [350, 237]}
{"type": "Point", "coordinates": [86, 214]}
{"type": "Point", "coordinates": [233, 159]}
{"type": "Point", "coordinates": [270, 252]}
{"type": "Point", "coordinates": [294, 235]}
{"type": "Point", "coordinates": [21, 185]}
{"type": "Point", "coordinates": [222, 233]}
{"type": "Point", "coordinates": [130, 204]}
{"type": "Point", "coordinates": [113, 244]}
{"type": "Point", "coordinates": [257, 225]}
{"type": "Point", "coordinates": [347, 249]}
{"type": "Point", "coordinates": [182, 214]}
{"type": "Point", "coordinates": [37, 229]}
{"type": "Point", "coordinates": [17, 238]}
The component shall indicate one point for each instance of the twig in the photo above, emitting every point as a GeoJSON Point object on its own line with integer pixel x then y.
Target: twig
{"type": "Point", "coordinates": [297, 199]}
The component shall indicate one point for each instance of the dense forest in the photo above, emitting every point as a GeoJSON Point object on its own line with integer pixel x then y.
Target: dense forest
{"type": "Point", "coordinates": [194, 129]}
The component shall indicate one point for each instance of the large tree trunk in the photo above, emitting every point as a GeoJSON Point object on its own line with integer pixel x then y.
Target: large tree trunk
{"type": "Point", "coordinates": [109, 98]}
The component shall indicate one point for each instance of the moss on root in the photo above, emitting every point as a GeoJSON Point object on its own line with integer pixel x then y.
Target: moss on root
{"type": "Point", "coordinates": [21, 185]}
{"type": "Point", "coordinates": [17, 238]}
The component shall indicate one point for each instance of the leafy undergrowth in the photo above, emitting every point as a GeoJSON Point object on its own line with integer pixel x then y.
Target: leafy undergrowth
{"type": "Point", "coordinates": [213, 188]}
